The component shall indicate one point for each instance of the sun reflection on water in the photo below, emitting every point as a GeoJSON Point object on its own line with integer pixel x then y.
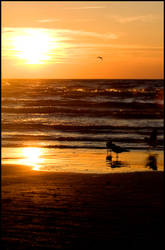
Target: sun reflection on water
{"type": "Point", "coordinates": [86, 161]}
{"type": "Point", "coordinates": [32, 157]}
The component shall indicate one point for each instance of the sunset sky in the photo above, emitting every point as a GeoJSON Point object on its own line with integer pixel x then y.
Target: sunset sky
{"type": "Point", "coordinates": [63, 39]}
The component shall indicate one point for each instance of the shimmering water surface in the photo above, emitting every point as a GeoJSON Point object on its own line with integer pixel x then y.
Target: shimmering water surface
{"type": "Point", "coordinates": [63, 125]}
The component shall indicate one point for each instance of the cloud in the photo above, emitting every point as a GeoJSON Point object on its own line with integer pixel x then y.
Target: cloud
{"type": "Point", "coordinates": [87, 33]}
{"type": "Point", "coordinates": [63, 32]}
{"type": "Point", "coordinates": [143, 18]}
{"type": "Point", "coordinates": [116, 46]}
{"type": "Point", "coordinates": [86, 7]}
{"type": "Point", "coordinates": [83, 20]}
{"type": "Point", "coordinates": [48, 20]}
{"type": "Point", "coordinates": [66, 43]}
{"type": "Point", "coordinates": [73, 46]}
{"type": "Point", "coordinates": [60, 40]}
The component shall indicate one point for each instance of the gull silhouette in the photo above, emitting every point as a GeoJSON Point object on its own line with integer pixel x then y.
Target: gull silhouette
{"type": "Point", "coordinates": [100, 58]}
{"type": "Point", "coordinates": [152, 140]}
{"type": "Point", "coordinates": [115, 148]}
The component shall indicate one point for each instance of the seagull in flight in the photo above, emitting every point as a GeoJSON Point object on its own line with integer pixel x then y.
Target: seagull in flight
{"type": "Point", "coordinates": [100, 58]}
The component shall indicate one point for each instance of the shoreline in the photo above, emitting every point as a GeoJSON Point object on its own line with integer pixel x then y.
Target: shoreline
{"type": "Point", "coordinates": [88, 161]}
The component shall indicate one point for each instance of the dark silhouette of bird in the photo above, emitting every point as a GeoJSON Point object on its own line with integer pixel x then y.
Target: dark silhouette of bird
{"type": "Point", "coordinates": [152, 140]}
{"type": "Point", "coordinates": [114, 148]}
{"type": "Point", "coordinates": [100, 58]}
{"type": "Point", "coordinates": [109, 146]}
{"type": "Point", "coordinates": [152, 162]}
{"type": "Point", "coordinates": [109, 158]}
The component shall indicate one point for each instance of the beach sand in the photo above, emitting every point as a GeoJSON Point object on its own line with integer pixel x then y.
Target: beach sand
{"type": "Point", "coordinates": [46, 210]}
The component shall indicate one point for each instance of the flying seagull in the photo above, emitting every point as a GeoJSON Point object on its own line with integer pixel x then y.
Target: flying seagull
{"type": "Point", "coordinates": [100, 58]}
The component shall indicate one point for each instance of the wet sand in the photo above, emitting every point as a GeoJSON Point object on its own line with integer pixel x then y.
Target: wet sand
{"type": "Point", "coordinates": [45, 210]}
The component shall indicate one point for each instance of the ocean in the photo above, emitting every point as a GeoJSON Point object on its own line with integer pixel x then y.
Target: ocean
{"type": "Point", "coordinates": [66, 123]}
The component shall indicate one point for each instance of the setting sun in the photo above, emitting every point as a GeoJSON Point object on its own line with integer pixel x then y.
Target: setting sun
{"type": "Point", "coordinates": [33, 46]}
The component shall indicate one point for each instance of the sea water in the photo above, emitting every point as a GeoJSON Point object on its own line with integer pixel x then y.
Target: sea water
{"type": "Point", "coordinates": [63, 125]}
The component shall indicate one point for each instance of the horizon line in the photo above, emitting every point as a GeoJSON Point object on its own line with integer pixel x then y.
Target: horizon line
{"type": "Point", "coordinates": [84, 78]}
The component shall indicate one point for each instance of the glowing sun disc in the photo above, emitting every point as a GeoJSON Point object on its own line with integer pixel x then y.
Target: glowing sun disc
{"type": "Point", "coordinates": [32, 46]}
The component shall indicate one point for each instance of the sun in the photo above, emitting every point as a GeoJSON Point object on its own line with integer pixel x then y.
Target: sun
{"type": "Point", "coordinates": [33, 46]}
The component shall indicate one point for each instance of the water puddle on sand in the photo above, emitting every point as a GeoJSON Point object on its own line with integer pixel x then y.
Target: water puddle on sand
{"type": "Point", "coordinates": [82, 160]}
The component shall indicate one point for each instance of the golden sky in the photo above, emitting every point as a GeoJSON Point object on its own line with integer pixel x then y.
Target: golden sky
{"type": "Point", "coordinates": [59, 39]}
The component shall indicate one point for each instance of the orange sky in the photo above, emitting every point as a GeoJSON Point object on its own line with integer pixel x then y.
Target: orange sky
{"type": "Point", "coordinates": [63, 39]}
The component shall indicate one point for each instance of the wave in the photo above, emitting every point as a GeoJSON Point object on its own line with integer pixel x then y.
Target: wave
{"type": "Point", "coordinates": [81, 113]}
{"type": "Point", "coordinates": [77, 128]}
{"type": "Point", "coordinates": [139, 147]}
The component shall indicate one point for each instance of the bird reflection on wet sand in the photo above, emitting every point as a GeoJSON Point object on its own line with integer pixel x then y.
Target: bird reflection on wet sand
{"type": "Point", "coordinates": [114, 164]}
{"type": "Point", "coordinates": [152, 142]}
{"type": "Point", "coordinates": [151, 161]}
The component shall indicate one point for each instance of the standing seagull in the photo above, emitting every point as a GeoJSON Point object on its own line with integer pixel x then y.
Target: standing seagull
{"type": "Point", "coordinates": [109, 146]}
{"type": "Point", "coordinates": [152, 140]}
{"type": "Point", "coordinates": [116, 149]}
